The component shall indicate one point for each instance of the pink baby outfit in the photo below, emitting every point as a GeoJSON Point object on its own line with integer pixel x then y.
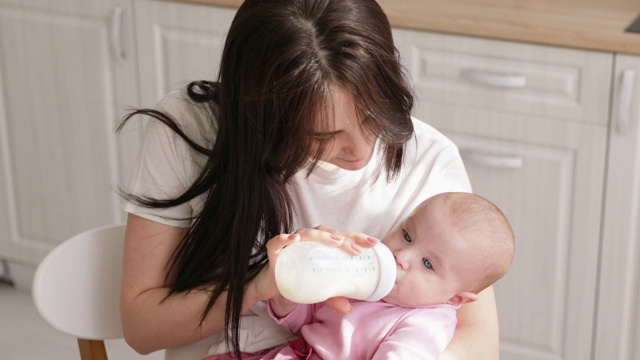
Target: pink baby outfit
{"type": "Point", "coordinates": [373, 330]}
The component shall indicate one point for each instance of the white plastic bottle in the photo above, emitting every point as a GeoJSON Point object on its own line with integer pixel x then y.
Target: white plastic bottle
{"type": "Point", "coordinates": [308, 272]}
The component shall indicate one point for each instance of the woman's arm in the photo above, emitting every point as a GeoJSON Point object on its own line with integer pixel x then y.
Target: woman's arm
{"type": "Point", "coordinates": [477, 335]}
{"type": "Point", "coordinates": [149, 321]}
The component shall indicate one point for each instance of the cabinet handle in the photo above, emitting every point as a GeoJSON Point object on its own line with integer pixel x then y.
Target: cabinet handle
{"type": "Point", "coordinates": [625, 98]}
{"type": "Point", "coordinates": [508, 162]}
{"type": "Point", "coordinates": [494, 79]}
{"type": "Point", "coordinates": [116, 33]}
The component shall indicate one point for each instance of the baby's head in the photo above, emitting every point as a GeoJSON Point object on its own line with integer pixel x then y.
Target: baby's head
{"type": "Point", "coordinates": [450, 248]}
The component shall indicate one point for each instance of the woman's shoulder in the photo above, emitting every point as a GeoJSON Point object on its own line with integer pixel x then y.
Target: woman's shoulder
{"type": "Point", "coordinates": [430, 142]}
{"type": "Point", "coordinates": [197, 120]}
{"type": "Point", "coordinates": [424, 131]}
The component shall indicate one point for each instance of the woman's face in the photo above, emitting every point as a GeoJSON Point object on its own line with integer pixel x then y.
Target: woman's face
{"type": "Point", "coordinates": [351, 145]}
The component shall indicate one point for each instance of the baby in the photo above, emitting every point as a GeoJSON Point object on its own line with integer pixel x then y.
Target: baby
{"type": "Point", "coordinates": [450, 248]}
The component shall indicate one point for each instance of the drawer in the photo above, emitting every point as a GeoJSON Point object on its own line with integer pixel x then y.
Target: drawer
{"type": "Point", "coordinates": [542, 81]}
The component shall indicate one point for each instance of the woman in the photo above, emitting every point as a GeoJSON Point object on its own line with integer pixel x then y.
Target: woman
{"type": "Point", "coordinates": [308, 123]}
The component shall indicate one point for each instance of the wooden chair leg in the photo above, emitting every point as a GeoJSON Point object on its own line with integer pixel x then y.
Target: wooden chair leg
{"type": "Point", "coordinates": [92, 349]}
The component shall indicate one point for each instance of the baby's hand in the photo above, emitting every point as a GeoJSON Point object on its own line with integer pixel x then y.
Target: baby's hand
{"type": "Point", "coordinates": [281, 306]}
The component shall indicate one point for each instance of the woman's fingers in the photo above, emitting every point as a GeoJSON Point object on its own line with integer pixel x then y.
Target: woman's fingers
{"type": "Point", "coordinates": [321, 236]}
{"type": "Point", "coordinates": [277, 243]}
{"type": "Point", "coordinates": [263, 286]}
{"type": "Point", "coordinates": [354, 243]}
{"type": "Point", "coordinates": [340, 304]}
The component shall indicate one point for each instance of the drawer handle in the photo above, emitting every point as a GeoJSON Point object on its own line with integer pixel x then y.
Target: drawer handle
{"type": "Point", "coordinates": [494, 79]}
{"type": "Point", "coordinates": [116, 33]}
{"type": "Point", "coordinates": [508, 162]}
{"type": "Point", "coordinates": [625, 100]}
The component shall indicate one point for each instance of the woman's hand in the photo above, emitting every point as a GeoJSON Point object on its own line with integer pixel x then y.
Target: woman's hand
{"type": "Point", "coordinates": [264, 287]}
{"type": "Point", "coordinates": [353, 243]}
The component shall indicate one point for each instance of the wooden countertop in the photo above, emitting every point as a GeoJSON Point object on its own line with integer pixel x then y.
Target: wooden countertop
{"type": "Point", "coordinates": [585, 24]}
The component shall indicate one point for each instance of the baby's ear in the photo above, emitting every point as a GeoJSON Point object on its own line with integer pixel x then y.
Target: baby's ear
{"type": "Point", "coordinates": [462, 298]}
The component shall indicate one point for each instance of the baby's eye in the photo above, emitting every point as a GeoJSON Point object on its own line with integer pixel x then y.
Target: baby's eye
{"type": "Point", "coordinates": [406, 236]}
{"type": "Point", "coordinates": [427, 264]}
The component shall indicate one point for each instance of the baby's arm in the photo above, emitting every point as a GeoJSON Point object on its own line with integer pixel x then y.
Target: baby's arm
{"type": "Point", "coordinates": [281, 307]}
{"type": "Point", "coordinates": [297, 315]}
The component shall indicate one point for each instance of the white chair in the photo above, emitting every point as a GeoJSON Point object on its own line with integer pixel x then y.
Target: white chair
{"type": "Point", "coordinates": [76, 288]}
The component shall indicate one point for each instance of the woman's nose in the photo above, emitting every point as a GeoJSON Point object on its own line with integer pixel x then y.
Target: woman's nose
{"type": "Point", "coordinates": [358, 145]}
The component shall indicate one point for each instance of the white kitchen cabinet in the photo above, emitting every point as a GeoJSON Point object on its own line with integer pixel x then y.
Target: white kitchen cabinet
{"type": "Point", "coordinates": [531, 125]}
{"type": "Point", "coordinates": [178, 43]}
{"type": "Point", "coordinates": [618, 322]}
{"type": "Point", "coordinates": [67, 69]}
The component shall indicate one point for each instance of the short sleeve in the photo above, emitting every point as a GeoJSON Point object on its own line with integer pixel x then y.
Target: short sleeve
{"type": "Point", "coordinates": [166, 165]}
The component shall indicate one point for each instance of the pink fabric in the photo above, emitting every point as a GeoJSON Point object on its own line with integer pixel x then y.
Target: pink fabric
{"type": "Point", "coordinates": [297, 349]}
{"type": "Point", "coordinates": [373, 330]}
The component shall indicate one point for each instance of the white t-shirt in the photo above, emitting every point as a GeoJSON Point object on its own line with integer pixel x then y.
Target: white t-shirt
{"type": "Point", "coordinates": [359, 201]}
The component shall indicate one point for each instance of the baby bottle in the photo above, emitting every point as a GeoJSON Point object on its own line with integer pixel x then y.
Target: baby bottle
{"type": "Point", "coordinates": [308, 272]}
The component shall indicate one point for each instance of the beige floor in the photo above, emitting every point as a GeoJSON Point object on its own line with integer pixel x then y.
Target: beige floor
{"type": "Point", "coordinates": [25, 336]}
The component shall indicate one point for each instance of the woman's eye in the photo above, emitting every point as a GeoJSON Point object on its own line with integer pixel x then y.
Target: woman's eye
{"type": "Point", "coordinates": [323, 137]}
{"type": "Point", "coordinates": [427, 264]}
{"type": "Point", "coordinates": [406, 236]}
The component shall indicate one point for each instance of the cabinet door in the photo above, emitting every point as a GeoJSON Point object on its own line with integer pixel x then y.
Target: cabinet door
{"type": "Point", "coordinates": [62, 91]}
{"type": "Point", "coordinates": [547, 177]}
{"type": "Point", "coordinates": [531, 125]}
{"type": "Point", "coordinates": [178, 43]}
{"type": "Point", "coordinates": [618, 333]}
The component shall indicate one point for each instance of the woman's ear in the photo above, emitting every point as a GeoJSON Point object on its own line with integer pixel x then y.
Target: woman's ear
{"type": "Point", "coordinates": [462, 298]}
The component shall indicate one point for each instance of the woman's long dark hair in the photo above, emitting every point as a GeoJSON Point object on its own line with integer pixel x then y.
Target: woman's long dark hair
{"type": "Point", "coordinates": [281, 60]}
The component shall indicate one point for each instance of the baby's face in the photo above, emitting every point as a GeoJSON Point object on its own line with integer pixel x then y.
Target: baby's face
{"type": "Point", "coordinates": [427, 253]}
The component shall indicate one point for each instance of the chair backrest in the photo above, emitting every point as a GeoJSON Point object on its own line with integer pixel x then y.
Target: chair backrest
{"type": "Point", "coordinates": [76, 287]}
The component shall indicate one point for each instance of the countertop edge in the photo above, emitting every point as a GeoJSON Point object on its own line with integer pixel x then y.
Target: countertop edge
{"type": "Point", "coordinates": [594, 29]}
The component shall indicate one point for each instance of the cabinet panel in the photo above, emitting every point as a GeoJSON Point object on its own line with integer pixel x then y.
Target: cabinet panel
{"type": "Point", "coordinates": [618, 332]}
{"type": "Point", "coordinates": [531, 125]}
{"type": "Point", "coordinates": [520, 78]}
{"type": "Point", "coordinates": [547, 176]}
{"type": "Point", "coordinates": [62, 92]}
{"type": "Point", "coordinates": [178, 43]}
{"type": "Point", "coordinates": [536, 286]}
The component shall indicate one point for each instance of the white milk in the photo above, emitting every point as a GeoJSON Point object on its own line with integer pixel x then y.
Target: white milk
{"type": "Point", "coordinates": [308, 272]}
